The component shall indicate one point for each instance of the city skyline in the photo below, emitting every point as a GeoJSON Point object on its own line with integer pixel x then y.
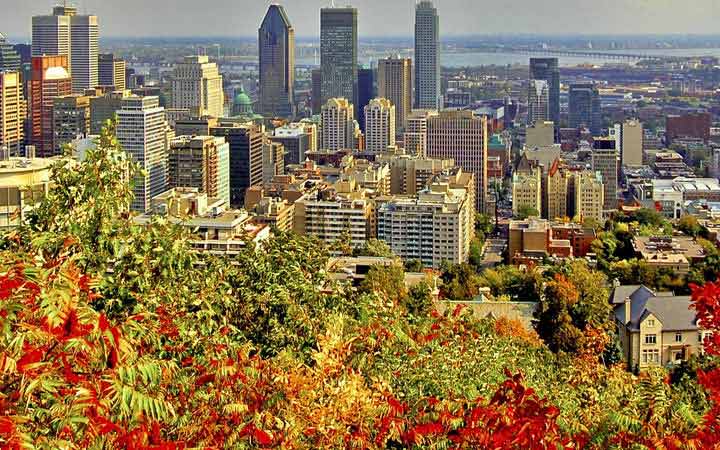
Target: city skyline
{"type": "Point", "coordinates": [227, 18]}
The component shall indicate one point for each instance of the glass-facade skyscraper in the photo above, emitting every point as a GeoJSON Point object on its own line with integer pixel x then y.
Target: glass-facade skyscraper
{"type": "Point", "coordinates": [584, 107]}
{"type": "Point", "coordinates": [339, 53]}
{"type": "Point", "coordinates": [547, 69]}
{"type": "Point", "coordinates": [276, 40]}
{"type": "Point", "coordinates": [9, 59]}
{"type": "Point", "coordinates": [427, 56]}
{"type": "Point", "coordinates": [366, 92]}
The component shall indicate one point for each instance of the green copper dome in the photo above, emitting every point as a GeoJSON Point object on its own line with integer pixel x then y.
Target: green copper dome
{"type": "Point", "coordinates": [242, 98]}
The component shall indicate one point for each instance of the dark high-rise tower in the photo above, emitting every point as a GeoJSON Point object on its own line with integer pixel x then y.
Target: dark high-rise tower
{"type": "Point", "coordinates": [366, 92]}
{"type": "Point", "coordinates": [276, 41]}
{"type": "Point", "coordinates": [585, 107]}
{"type": "Point", "coordinates": [427, 56]}
{"type": "Point", "coordinates": [9, 59]}
{"type": "Point", "coordinates": [339, 53]}
{"type": "Point", "coordinates": [547, 69]}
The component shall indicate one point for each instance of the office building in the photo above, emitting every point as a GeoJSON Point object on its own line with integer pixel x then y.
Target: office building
{"type": "Point", "coordinates": [23, 183]}
{"type": "Point", "coordinates": [585, 107]}
{"type": "Point", "coordinates": [201, 162]}
{"type": "Point", "coordinates": [463, 137]}
{"type": "Point", "coordinates": [533, 240]}
{"type": "Point", "coordinates": [50, 79]}
{"type": "Point", "coordinates": [316, 94]}
{"type": "Point", "coordinates": [629, 138]}
{"type": "Point", "coordinates": [104, 108]}
{"type": "Point", "coordinates": [691, 125]}
{"type": "Point", "coordinates": [273, 160]}
{"type": "Point", "coordinates": [605, 161]}
{"type": "Point", "coordinates": [427, 56]}
{"type": "Point", "coordinates": [13, 110]}
{"type": "Point", "coordinates": [71, 120]}
{"type": "Point", "coordinates": [410, 174]}
{"type": "Point", "coordinates": [9, 58]}
{"type": "Point", "coordinates": [276, 41]}
{"type": "Point", "coordinates": [246, 156]}
{"type": "Point", "coordinates": [338, 125]}
{"type": "Point", "coordinates": [380, 123]}
{"type": "Point", "coordinates": [198, 87]}
{"type": "Point", "coordinates": [538, 98]}
{"type": "Point", "coordinates": [415, 137]}
{"type": "Point", "coordinates": [296, 138]}
{"type": "Point", "coordinates": [65, 33]}
{"type": "Point", "coordinates": [395, 84]}
{"type": "Point", "coordinates": [111, 71]}
{"type": "Point", "coordinates": [589, 198]}
{"type": "Point", "coordinates": [141, 131]}
{"type": "Point", "coordinates": [339, 54]}
{"type": "Point", "coordinates": [366, 92]}
{"type": "Point", "coordinates": [432, 227]}
{"type": "Point", "coordinates": [547, 69]}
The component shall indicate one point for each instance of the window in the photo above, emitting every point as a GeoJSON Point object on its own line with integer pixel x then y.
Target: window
{"type": "Point", "coordinates": [700, 337]}
{"type": "Point", "coordinates": [678, 337]}
{"type": "Point", "coordinates": [651, 339]}
{"type": "Point", "coordinates": [651, 322]}
{"type": "Point", "coordinates": [650, 356]}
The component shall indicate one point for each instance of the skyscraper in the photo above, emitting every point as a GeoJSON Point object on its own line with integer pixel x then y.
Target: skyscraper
{"type": "Point", "coordinates": [547, 69]}
{"type": "Point", "coordinates": [316, 79]}
{"type": "Point", "coordinates": [276, 42]}
{"type": "Point", "coordinates": [12, 112]}
{"type": "Point", "coordinates": [366, 92]}
{"type": "Point", "coordinates": [246, 156]}
{"type": "Point", "coordinates": [629, 140]}
{"type": "Point", "coordinates": [71, 120]}
{"type": "Point", "coordinates": [50, 79]}
{"type": "Point", "coordinates": [605, 162]}
{"type": "Point", "coordinates": [339, 54]}
{"type": "Point", "coordinates": [538, 97]}
{"type": "Point", "coordinates": [111, 71]}
{"type": "Point", "coordinates": [463, 137]}
{"type": "Point", "coordinates": [201, 162]}
{"type": "Point", "coordinates": [141, 133]}
{"type": "Point", "coordinates": [427, 56]}
{"type": "Point", "coordinates": [198, 87]}
{"type": "Point", "coordinates": [585, 107]}
{"type": "Point", "coordinates": [338, 125]}
{"type": "Point", "coordinates": [380, 122]}
{"type": "Point", "coordinates": [66, 33]}
{"type": "Point", "coordinates": [395, 84]}
{"type": "Point", "coordinates": [415, 136]}
{"type": "Point", "coordinates": [9, 58]}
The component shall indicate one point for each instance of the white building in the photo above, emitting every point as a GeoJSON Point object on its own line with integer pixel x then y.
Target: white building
{"type": "Point", "coordinates": [629, 137]}
{"type": "Point", "coordinates": [379, 125]}
{"type": "Point", "coordinates": [538, 101]}
{"type": "Point", "coordinates": [141, 132]}
{"type": "Point", "coordinates": [415, 136]}
{"type": "Point", "coordinates": [198, 87]}
{"type": "Point", "coordinates": [338, 125]}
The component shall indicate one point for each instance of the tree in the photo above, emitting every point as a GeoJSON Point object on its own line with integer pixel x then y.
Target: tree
{"type": "Point", "coordinates": [375, 248]}
{"type": "Point", "coordinates": [413, 265]}
{"type": "Point", "coordinates": [460, 282]}
{"type": "Point", "coordinates": [690, 226]}
{"type": "Point", "coordinates": [525, 211]}
{"type": "Point", "coordinates": [387, 281]}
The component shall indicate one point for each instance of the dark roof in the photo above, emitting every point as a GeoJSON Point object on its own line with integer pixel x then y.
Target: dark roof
{"type": "Point", "coordinates": [675, 313]}
{"type": "Point", "coordinates": [523, 166]}
{"type": "Point", "coordinates": [635, 292]}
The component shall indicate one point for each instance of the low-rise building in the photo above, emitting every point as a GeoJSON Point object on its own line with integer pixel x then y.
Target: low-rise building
{"type": "Point", "coordinates": [532, 240]}
{"type": "Point", "coordinates": [23, 184]}
{"type": "Point", "coordinates": [215, 229]}
{"type": "Point", "coordinates": [673, 253]}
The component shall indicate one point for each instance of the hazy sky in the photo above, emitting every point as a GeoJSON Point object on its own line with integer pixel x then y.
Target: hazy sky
{"type": "Point", "coordinates": [383, 17]}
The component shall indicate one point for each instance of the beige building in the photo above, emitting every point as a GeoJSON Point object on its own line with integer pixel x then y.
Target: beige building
{"type": "Point", "coordinates": [379, 125]}
{"type": "Point", "coordinates": [674, 253]}
{"type": "Point", "coordinates": [215, 229]}
{"type": "Point", "coordinates": [605, 161]}
{"type": "Point", "coordinates": [23, 184]}
{"type": "Point", "coordinates": [463, 137]}
{"type": "Point", "coordinates": [273, 160]}
{"type": "Point", "coordinates": [540, 134]}
{"type": "Point", "coordinates": [433, 227]}
{"type": "Point", "coordinates": [71, 119]}
{"type": "Point", "coordinates": [201, 162]}
{"type": "Point", "coordinates": [557, 192]}
{"type": "Point", "coordinates": [526, 187]}
{"type": "Point", "coordinates": [111, 71]}
{"type": "Point", "coordinates": [629, 137]}
{"type": "Point", "coordinates": [655, 329]}
{"type": "Point", "coordinates": [411, 174]}
{"type": "Point", "coordinates": [589, 195]}
{"type": "Point", "coordinates": [274, 212]}
{"type": "Point", "coordinates": [13, 110]}
{"type": "Point", "coordinates": [198, 87]}
{"type": "Point", "coordinates": [338, 125]}
{"type": "Point", "coordinates": [395, 84]}
{"type": "Point", "coordinates": [415, 137]}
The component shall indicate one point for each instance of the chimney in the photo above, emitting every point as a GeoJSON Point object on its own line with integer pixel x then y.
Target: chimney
{"type": "Point", "coordinates": [628, 310]}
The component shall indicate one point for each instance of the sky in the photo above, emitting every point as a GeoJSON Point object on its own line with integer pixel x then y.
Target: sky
{"type": "Point", "coordinates": [241, 18]}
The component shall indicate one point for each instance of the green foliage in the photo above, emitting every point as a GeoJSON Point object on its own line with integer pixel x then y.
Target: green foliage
{"type": "Point", "coordinates": [460, 282]}
{"type": "Point", "coordinates": [525, 211]}
{"type": "Point", "coordinates": [690, 226]}
{"type": "Point", "coordinates": [518, 285]}
{"type": "Point", "coordinates": [374, 248]}
{"type": "Point", "coordinates": [413, 265]}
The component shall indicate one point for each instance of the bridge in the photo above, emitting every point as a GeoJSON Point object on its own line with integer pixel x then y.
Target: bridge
{"type": "Point", "coordinates": [586, 54]}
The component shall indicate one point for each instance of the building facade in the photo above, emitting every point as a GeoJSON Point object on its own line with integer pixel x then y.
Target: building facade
{"type": "Point", "coordinates": [276, 41]}
{"type": "Point", "coordinates": [538, 98]}
{"type": "Point", "coordinates": [338, 125]}
{"type": "Point", "coordinates": [629, 138]}
{"type": "Point", "coordinates": [585, 107]}
{"type": "Point", "coordinates": [589, 195]}
{"type": "Point", "coordinates": [246, 156]}
{"type": "Point", "coordinates": [605, 161]}
{"type": "Point", "coordinates": [198, 87]}
{"type": "Point", "coordinates": [13, 110]}
{"type": "Point", "coordinates": [427, 56]}
{"type": "Point", "coordinates": [380, 125]}
{"type": "Point", "coordinates": [339, 54]}
{"type": "Point", "coordinates": [141, 131]}
{"type": "Point", "coordinates": [201, 162]}
{"type": "Point", "coordinates": [415, 137]}
{"type": "Point", "coordinates": [548, 69]}
{"type": "Point", "coordinates": [366, 92]}
{"type": "Point", "coordinates": [50, 79]}
{"type": "Point", "coordinates": [395, 84]}
{"type": "Point", "coordinates": [111, 71]}
{"type": "Point", "coordinates": [71, 120]}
